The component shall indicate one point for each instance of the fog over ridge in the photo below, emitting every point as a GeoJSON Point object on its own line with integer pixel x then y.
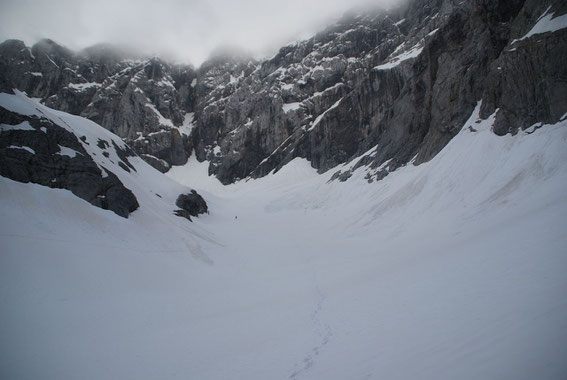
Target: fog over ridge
{"type": "Point", "coordinates": [183, 30]}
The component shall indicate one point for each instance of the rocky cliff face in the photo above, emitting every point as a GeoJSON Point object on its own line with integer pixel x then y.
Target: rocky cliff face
{"type": "Point", "coordinates": [388, 88]}
{"type": "Point", "coordinates": [147, 102]}
{"type": "Point", "coordinates": [393, 87]}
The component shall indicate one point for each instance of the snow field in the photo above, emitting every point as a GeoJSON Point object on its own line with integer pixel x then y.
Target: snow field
{"type": "Point", "coordinates": [451, 269]}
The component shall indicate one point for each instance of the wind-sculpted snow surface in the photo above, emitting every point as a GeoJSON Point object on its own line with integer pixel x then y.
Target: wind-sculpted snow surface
{"type": "Point", "coordinates": [450, 269]}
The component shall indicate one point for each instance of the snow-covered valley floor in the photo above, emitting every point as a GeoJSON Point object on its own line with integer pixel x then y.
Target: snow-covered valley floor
{"type": "Point", "coordinates": [455, 269]}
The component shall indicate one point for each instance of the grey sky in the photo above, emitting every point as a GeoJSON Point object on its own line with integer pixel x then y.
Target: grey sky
{"type": "Point", "coordinates": [187, 30]}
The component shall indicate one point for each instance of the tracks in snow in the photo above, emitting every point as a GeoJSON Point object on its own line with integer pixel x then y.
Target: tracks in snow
{"type": "Point", "coordinates": [322, 329]}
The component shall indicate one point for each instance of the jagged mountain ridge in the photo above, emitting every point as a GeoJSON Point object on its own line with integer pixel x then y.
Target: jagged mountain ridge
{"type": "Point", "coordinates": [144, 101]}
{"type": "Point", "coordinates": [392, 87]}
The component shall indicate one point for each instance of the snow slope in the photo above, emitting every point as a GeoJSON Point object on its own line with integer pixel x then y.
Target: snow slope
{"type": "Point", "coordinates": [546, 23]}
{"type": "Point", "coordinates": [451, 269]}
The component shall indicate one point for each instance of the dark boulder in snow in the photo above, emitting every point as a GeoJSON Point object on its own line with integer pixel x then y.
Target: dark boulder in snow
{"type": "Point", "coordinates": [191, 204]}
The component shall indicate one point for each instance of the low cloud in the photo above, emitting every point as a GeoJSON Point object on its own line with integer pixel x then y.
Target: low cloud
{"type": "Point", "coordinates": [186, 30]}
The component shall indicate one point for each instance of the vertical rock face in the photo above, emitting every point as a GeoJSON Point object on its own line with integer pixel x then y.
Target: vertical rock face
{"type": "Point", "coordinates": [393, 87]}
{"type": "Point", "coordinates": [400, 83]}
{"type": "Point", "coordinates": [527, 82]}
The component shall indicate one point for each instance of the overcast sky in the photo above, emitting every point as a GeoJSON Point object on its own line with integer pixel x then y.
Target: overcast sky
{"type": "Point", "coordinates": [187, 30]}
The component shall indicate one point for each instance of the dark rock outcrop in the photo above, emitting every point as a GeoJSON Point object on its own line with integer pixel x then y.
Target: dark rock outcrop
{"type": "Point", "coordinates": [34, 149]}
{"type": "Point", "coordinates": [191, 204]}
{"type": "Point", "coordinates": [159, 164]}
